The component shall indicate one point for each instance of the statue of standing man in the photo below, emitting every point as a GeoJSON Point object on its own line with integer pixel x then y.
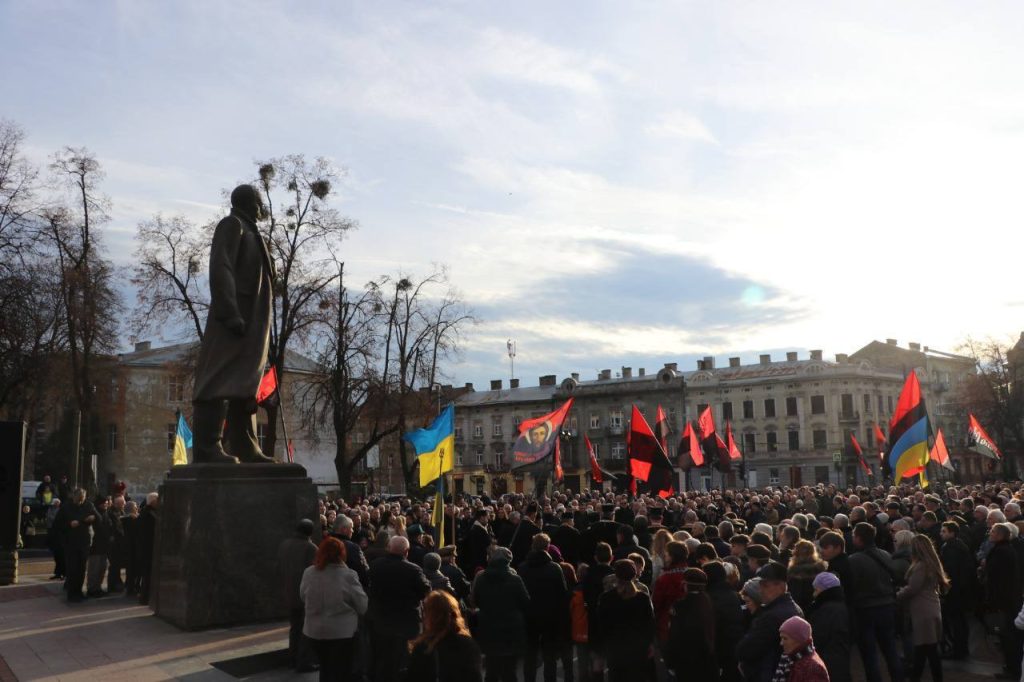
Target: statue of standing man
{"type": "Point", "coordinates": [233, 353]}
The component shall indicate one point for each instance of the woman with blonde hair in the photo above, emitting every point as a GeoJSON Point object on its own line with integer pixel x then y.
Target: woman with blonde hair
{"type": "Point", "coordinates": [444, 650]}
{"type": "Point", "coordinates": [804, 567]}
{"type": "Point", "coordinates": [926, 580]}
{"type": "Point", "coordinates": [659, 553]}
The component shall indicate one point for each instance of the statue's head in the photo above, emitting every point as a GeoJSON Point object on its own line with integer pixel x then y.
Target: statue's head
{"type": "Point", "coordinates": [247, 201]}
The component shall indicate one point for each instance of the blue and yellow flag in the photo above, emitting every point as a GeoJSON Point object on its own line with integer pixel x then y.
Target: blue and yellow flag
{"type": "Point", "coordinates": [908, 433]}
{"type": "Point", "coordinates": [182, 441]}
{"type": "Point", "coordinates": [435, 446]}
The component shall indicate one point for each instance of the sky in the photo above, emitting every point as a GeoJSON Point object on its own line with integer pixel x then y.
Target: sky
{"type": "Point", "coordinates": [609, 183]}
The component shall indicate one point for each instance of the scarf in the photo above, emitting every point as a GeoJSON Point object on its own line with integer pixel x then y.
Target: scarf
{"type": "Point", "coordinates": [787, 661]}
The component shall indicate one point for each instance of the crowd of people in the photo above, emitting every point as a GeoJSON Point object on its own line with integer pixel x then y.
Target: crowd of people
{"type": "Point", "coordinates": [770, 585]}
{"type": "Point", "coordinates": [100, 547]}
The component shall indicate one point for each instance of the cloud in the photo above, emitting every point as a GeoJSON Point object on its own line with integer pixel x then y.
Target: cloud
{"type": "Point", "coordinates": [683, 126]}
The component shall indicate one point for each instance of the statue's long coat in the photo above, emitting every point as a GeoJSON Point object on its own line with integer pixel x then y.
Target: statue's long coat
{"type": "Point", "coordinates": [230, 366]}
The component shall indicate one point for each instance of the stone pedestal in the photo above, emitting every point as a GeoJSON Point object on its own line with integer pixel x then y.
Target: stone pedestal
{"type": "Point", "coordinates": [215, 554]}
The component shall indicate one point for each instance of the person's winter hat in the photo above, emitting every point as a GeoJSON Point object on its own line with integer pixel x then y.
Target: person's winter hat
{"type": "Point", "coordinates": [825, 581]}
{"type": "Point", "coordinates": [797, 628]}
{"type": "Point", "coordinates": [432, 562]}
{"type": "Point", "coordinates": [501, 554]}
{"type": "Point", "coordinates": [773, 570]}
{"type": "Point", "coordinates": [758, 552]}
{"type": "Point", "coordinates": [556, 554]}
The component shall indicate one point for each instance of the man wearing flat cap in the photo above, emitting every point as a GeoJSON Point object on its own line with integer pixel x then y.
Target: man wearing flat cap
{"type": "Point", "coordinates": [759, 650]}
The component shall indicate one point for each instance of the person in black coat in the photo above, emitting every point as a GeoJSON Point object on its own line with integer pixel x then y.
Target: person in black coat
{"type": "Point", "coordinates": [1001, 575]}
{"type": "Point", "coordinates": [397, 589]}
{"type": "Point", "coordinates": [548, 619]}
{"type": "Point", "coordinates": [759, 650]}
{"type": "Point", "coordinates": [74, 519]}
{"type": "Point", "coordinates": [522, 536]}
{"type": "Point", "coordinates": [145, 539]}
{"type": "Point", "coordinates": [99, 550]}
{"type": "Point", "coordinates": [690, 650]}
{"type": "Point", "coordinates": [625, 627]}
{"type": "Point", "coordinates": [502, 602]}
{"type": "Point", "coordinates": [568, 540]}
{"type": "Point", "coordinates": [627, 545]}
{"type": "Point", "coordinates": [451, 570]}
{"type": "Point", "coordinates": [294, 555]}
{"type": "Point", "coordinates": [728, 617]}
{"type": "Point", "coordinates": [479, 542]}
{"type": "Point", "coordinates": [830, 622]}
{"type": "Point", "coordinates": [959, 566]}
{"type": "Point", "coordinates": [354, 557]}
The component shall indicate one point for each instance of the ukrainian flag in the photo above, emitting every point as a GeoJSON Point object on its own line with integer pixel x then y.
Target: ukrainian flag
{"type": "Point", "coordinates": [435, 446]}
{"type": "Point", "coordinates": [182, 441]}
{"type": "Point", "coordinates": [908, 433]}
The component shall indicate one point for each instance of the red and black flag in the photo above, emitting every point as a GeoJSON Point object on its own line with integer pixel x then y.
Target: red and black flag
{"type": "Point", "coordinates": [855, 449]}
{"type": "Point", "coordinates": [979, 441]}
{"type": "Point", "coordinates": [940, 453]}
{"type": "Point", "coordinates": [661, 429]}
{"type": "Point", "coordinates": [709, 439]}
{"type": "Point", "coordinates": [880, 442]}
{"type": "Point", "coordinates": [267, 394]}
{"type": "Point", "coordinates": [690, 453]}
{"type": "Point", "coordinates": [597, 473]}
{"type": "Point", "coordinates": [647, 459]}
{"type": "Point", "coordinates": [537, 437]}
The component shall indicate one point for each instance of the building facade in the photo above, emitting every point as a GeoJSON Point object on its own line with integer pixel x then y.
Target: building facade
{"type": "Point", "coordinates": [792, 417]}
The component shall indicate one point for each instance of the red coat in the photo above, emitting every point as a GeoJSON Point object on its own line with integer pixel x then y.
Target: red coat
{"type": "Point", "coordinates": [668, 589]}
{"type": "Point", "coordinates": [809, 669]}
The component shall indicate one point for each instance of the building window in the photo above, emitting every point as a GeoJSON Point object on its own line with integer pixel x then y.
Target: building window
{"type": "Point", "coordinates": [817, 404]}
{"type": "Point", "coordinates": [773, 441]}
{"type": "Point", "coordinates": [867, 403]}
{"type": "Point", "coordinates": [479, 456]}
{"type": "Point", "coordinates": [496, 428]}
{"type": "Point", "coordinates": [821, 474]}
{"type": "Point", "coordinates": [769, 407]}
{"type": "Point", "coordinates": [458, 433]}
{"type": "Point", "coordinates": [516, 421]}
{"type": "Point", "coordinates": [615, 419]}
{"type": "Point", "coordinates": [112, 437]}
{"type": "Point", "coordinates": [880, 408]}
{"type": "Point", "coordinates": [594, 446]}
{"type": "Point", "coordinates": [794, 440]}
{"type": "Point", "coordinates": [726, 411]}
{"type": "Point", "coordinates": [672, 417]}
{"type": "Point", "coordinates": [175, 389]}
{"type": "Point", "coordinates": [172, 433]}
{"type": "Point", "coordinates": [478, 430]}
{"type": "Point", "coordinates": [458, 458]}
{"type": "Point", "coordinates": [791, 407]}
{"type": "Point", "coordinates": [820, 437]}
{"type": "Point", "coordinates": [749, 443]}
{"type": "Point", "coordinates": [701, 407]}
{"type": "Point", "coordinates": [773, 476]}
{"type": "Point", "coordinates": [846, 404]}
{"type": "Point", "coordinates": [618, 450]}
{"type": "Point", "coordinates": [573, 423]}
{"type": "Point", "coordinates": [499, 459]}
{"type": "Point", "coordinates": [261, 434]}
{"type": "Point", "coordinates": [595, 421]}
{"type": "Point", "coordinates": [888, 402]}
{"type": "Point", "coordinates": [748, 409]}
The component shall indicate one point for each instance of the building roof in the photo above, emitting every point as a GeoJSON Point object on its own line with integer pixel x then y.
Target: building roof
{"type": "Point", "coordinates": [182, 352]}
{"type": "Point", "coordinates": [529, 394]}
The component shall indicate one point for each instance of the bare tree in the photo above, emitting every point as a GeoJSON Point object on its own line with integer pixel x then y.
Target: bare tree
{"type": "Point", "coordinates": [19, 184]}
{"type": "Point", "coordinates": [89, 301]}
{"type": "Point", "coordinates": [170, 260]}
{"type": "Point", "coordinates": [996, 393]}
{"type": "Point", "coordinates": [301, 230]}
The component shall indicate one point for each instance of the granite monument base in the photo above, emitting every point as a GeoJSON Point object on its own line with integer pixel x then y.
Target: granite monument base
{"type": "Point", "coordinates": [215, 552]}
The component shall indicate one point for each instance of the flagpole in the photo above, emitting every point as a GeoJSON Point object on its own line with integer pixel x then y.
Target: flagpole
{"type": "Point", "coordinates": [284, 424]}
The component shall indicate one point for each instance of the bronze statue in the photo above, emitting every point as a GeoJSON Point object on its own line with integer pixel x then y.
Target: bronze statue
{"type": "Point", "coordinates": [233, 353]}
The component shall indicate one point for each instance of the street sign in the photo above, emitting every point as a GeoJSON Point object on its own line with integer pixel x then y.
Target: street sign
{"type": "Point", "coordinates": [837, 456]}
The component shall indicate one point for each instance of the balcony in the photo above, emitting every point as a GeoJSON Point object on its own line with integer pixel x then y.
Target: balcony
{"type": "Point", "coordinates": [478, 435]}
{"type": "Point", "coordinates": [497, 436]}
{"type": "Point", "coordinates": [615, 430]}
{"type": "Point", "coordinates": [849, 416]}
{"type": "Point", "coordinates": [502, 468]}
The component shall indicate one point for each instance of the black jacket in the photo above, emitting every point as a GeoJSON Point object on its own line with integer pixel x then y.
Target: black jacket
{"type": "Point", "coordinates": [457, 579]}
{"type": "Point", "coordinates": [759, 650]}
{"type": "Point", "coordinates": [830, 623]}
{"type": "Point", "coordinates": [294, 556]}
{"type": "Point", "coordinates": [522, 539]}
{"type": "Point", "coordinates": [958, 562]}
{"type": "Point", "coordinates": [503, 602]}
{"type": "Point", "coordinates": [476, 547]}
{"type": "Point", "coordinates": [548, 615]}
{"type": "Point", "coordinates": [456, 658]}
{"type": "Point", "coordinates": [1002, 579]}
{"type": "Point", "coordinates": [568, 541]}
{"type": "Point", "coordinates": [625, 629]}
{"type": "Point", "coordinates": [690, 650]}
{"type": "Point", "coordinates": [728, 609]}
{"type": "Point", "coordinates": [397, 587]}
{"type": "Point", "coordinates": [873, 578]}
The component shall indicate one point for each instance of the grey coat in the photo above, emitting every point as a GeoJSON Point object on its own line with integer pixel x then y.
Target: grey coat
{"type": "Point", "coordinates": [231, 365]}
{"type": "Point", "coordinates": [920, 596]}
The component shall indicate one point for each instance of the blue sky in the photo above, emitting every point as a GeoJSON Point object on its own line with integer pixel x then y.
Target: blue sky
{"type": "Point", "coordinates": [609, 183]}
